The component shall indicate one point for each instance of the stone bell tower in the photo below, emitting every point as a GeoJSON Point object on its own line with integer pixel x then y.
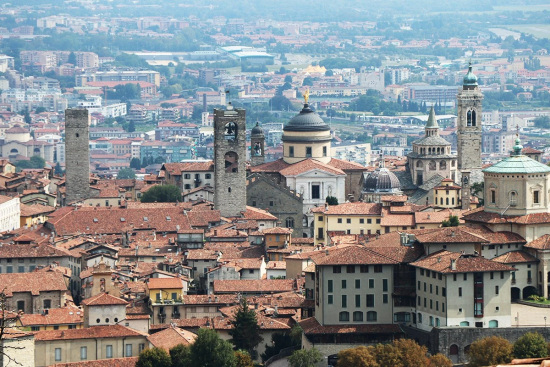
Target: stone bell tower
{"type": "Point", "coordinates": [469, 134]}
{"type": "Point", "coordinates": [257, 145]}
{"type": "Point", "coordinates": [77, 173]}
{"type": "Point", "coordinates": [229, 161]}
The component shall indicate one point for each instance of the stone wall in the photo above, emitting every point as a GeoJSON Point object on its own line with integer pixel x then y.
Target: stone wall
{"type": "Point", "coordinates": [469, 137]}
{"type": "Point", "coordinates": [77, 162]}
{"type": "Point", "coordinates": [229, 161]}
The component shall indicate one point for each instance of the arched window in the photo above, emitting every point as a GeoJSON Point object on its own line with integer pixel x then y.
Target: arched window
{"type": "Point", "coordinates": [464, 323]}
{"type": "Point", "coordinates": [344, 316]}
{"type": "Point", "coordinates": [453, 350]}
{"type": "Point", "coordinates": [432, 166]}
{"type": "Point", "coordinates": [231, 162]}
{"type": "Point", "coordinates": [513, 198]}
{"type": "Point", "coordinates": [473, 117]}
{"type": "Point", "coordinates": [372, 316]}
{"type": "Point", "coordinates": [443, 165]}
{"type": "Point", "coordinates": [469, 118]}
{"type": "Point", "coordinates": [446, 201]}
{"type": "Point", "coordinates": [493, 323]}
{"type": "Point", "coordinates": [453, 201]}
{"type": "Point", "coordinates": [358, 316]}
{"type": "Point", "coordinates": [419, 164]}
{"type": "Point", "coordinates": [289, 222]}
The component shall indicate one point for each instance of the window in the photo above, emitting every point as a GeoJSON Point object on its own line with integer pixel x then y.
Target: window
{"type": "Point", "coordinates": [357, 300]}
{"type": "Point", "coordinates": [330, 285]}
{"type": "Point", "coordinates": [496, 289]}
{"type": "Point", "coordinates": [364, 268]}
{"type": "Point", "coordinates": [513, 198]}
{"type": "Point", "coordinates": [348, 221]}
{"type": "Point", "coordinates": [339, 220]}
{"type": "Point", "coordinates": [330, 299]}
{"type": "Point", "coordinates": [369, 221]}
{"type": "Point", "coordinates": [460, 291]}
{"type": "Point", "coordinates": [350, 269]}
{"type": "Point", "coordinates": [536, 199]}
{"type": "Point", "coordinates": [320, 218]}
{"type": "Point", "coordinates": [253, 202]}
{"type": "Point", "coordinates": [208, 176]}
{"type": "Point", "coordinates": [361, 221]}
{"type": "Point", "coordinates": [344, 316]}
{"type": "Point", "coordinates": [384, 285]}
{"type": "Point", "coordinates": [444, 292]}
{"type": "Point", "coordinates": [47, 303]}
{"type": "Point", "coordinates": [431, 321]}
{"type": "Point", "coordinates": [83, 353]}
{"type": "Point", "coordinates": [308, 152]}
{"type": "Point", "coordinates": [336, 269]}
{"type": "Point", "coordinates": [419, 318]}
{"type": "Point", "coordinates": [20, 305]}
{"type": "Point", "coordinates": [291, 151]}
{"type": "Point", "coordinates": [289, 222]}
{"type": "Point", "coordinates": [493, 196]}
{"type": "Point", "coordinates": [358, 316]}
{"type": "Point", "coordinates": [465, 276]}
{"type": "Point", "coordinates": [141, 347]}
{"type": "Point", "coordinates": [357, 283]}
{"type": "Point", "coordinates": [344, 301]}
{"type": "Point", "coordinates": [377, 268]}
{"type": "Point", "coordinates": [187, 176]}
{"type": "Point", "coordinates": [385, 298]}
{"type": "Point", "coordinates": [271, 203]}
{"type": "Point", "coordinates": [128, 350]}
{"type": "Point", "coordinates": [109, 351]}
{"type": "Point", "coordinates": [370, 300]}
{"type": "Point", "coordinates": [324, 151]}
{"type": "Point", "coordinates": [371, 283]}
{"type": "Point", "coordinates": [315, 192]}
{"type": "Point", "coordinates": [378, 221]}
{"type": "Point", "coordinates": [187, 187]}
{"type": "Point", "coordinates": [344, 284]}
{"type": "Point", "coordinates": [57, 354]}
{"type": "Point", "coordinates": [372, 316]}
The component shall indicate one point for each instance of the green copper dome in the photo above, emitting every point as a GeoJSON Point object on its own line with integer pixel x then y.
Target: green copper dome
{"type": "Point", "coordinates": [470, 79]}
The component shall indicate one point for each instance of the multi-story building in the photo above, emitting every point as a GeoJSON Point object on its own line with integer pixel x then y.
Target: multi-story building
{"type": "Point", "coordinates": [149, 76]}
{"type": "Point", "coordinates": [455, 289]}
{"type": "Point", "coordinates": [165, 151]}
{"type": "Point", "coordinates": [189, 175]}
{"type": "Point", "coordinates": [165, 298]}
{"type": "Point", "coordinates": [10, 211]}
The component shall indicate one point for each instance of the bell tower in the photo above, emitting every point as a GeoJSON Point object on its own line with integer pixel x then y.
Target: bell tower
{"type": "Point", "coordinates": [469, 134]}
{"type": "Point", "coordinates": [229, 161]}
{"type": "Point", "coordinates": [257, 145]}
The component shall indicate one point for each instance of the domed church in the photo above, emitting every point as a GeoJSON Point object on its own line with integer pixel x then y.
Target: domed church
{"type": "Point", "coordinates": [379, 183]}
{"type": "Point", "coordinates": [306, 169]}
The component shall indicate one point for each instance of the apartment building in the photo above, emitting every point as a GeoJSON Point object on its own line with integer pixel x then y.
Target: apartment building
{"type": "Point", "coordinates": [455, 289]}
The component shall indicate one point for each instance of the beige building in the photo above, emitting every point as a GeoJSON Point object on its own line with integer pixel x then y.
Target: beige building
{"type": "Point", "coordinates": [447, 194]}
{"type": "Point", "coordinates": [461, 290]}
{"type": "Point", "coordinates": [93, 343]}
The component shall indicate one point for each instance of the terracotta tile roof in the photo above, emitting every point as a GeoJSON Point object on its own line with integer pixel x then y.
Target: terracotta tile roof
{"type": "Point", "coordinates": [165, 283]}
{"type": "Point", "coordinates": [222, 233]}
{"type": "Point", "coordinates": [271, 167]}
{"type": "Point", "coordinates": [393, 220]}
{"type": "Point", "coordinates": [245, 263]}
{"type": "Point", "coordinates": [55, 316]}
{"type": "Point", "coordinates": [394, 198]}
{"type": "Point", "coordinates": [202, 254]}
{"type": "Point", "coordinates": [354, 255]}
{"type": "Point", "coordinates": [480, 216]}
{"type": "Point", "coordinates": [112, 362]}
{"type": "Point", "coordinates": [346, 165]}
{"type": "Point", "coordinates": [277, 230]}
{"type": "Point", "coordinates": [202, 299]}
{"type": "Point", "coordinates": [178, 168]}
{"type": "Point", "coordinates": [515, 257]}
{"type": "Point", "coordinates": [308, 165]}
{"type": "Point", "coordinates": [530, 150]}
{"type": "Point", "coordinates": [402, 254]}
{"type": "Point", "coordinates": [541, 243]}
{"type": "Point", "coordinates": [34, 282]}
{"type": "Point", "coordinates": [103, 299]}
{"type": "Point", "coordinates": [355, 208]}
{"type": "Point", "coordinates": [276, 265]}
{"type": "Point", "coordinates": [312, 326]}
{"type": "Point", "coordinates": [436, 217]}
{"type": "Point", "coordinates": [451, 235]}
{"type": "Point", "coordinates": [107, 331]}
{"type": "Point", "coordinates": [258, 214]}
{"type": "Point", "coordinates": [170, 337]}
{"type": "Point", "coordinates": [441, 262]}
{"type": "Point", "coordinates": [254, 286]}
{"type": "Point", "coordinates": [303, 241]}
{"type": "Point", "coordinates": [10, 251]}
{"type": "Point", "coordinates": [36, 209]}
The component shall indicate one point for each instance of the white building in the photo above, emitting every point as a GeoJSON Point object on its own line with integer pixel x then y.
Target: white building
{"type": "Point", "coordinates": [10, 211]}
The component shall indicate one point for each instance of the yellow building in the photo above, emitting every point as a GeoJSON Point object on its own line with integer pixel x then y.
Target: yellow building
{"type": "Point", "coordinates": [165, 298]}
{"type": "Point", "coordinates": [349, 218]}
{"type": "Point", "coordinates": [34, 214]}
{"type": "Point", "coordinates": [447, 195]}
{"type": "Point", "coordinates": [277, 237]}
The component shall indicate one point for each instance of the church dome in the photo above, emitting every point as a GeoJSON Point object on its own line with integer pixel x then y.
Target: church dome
{"type": "Point", "coordinates": [257, 130]}
{"type": "Point", "coordinates": [470, 79]}
{"type": "Point", "coordinates": [306, 120]}
{"type": "Point", "coordinates": [381, 180]}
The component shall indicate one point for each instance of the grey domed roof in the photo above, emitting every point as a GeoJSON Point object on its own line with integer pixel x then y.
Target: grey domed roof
{"type": "Point", "coordinates": [257, 130]}
{"type": "Point", "coordinates": [306, 120]}
{"type": "Point", "coordinates": [381, 180]}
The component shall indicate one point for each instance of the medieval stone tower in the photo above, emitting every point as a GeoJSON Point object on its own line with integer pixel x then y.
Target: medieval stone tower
{"type": "Point", "coordinates": [229, 161]}
{"type": "Point", "coordinates": [257, 144]}
{"type": "Point", "coordinates": [469, 134]}
{"type": "Point", "coordinates": [77, 173]}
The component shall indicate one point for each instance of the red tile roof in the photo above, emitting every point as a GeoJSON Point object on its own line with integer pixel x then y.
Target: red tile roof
{"type": "Point", "coordinates": [254, 286]}
{"type": "Point", "coordinates": [312, 326]}
{"type": "Point", "coordinates": [34, 282]}
{"type": "Point", "coordinates": [165, 283]}
{"type": "Point", "coordinates": [442, 261]}
{"type": "Point", "coordinates": [541, 243]}
{"type": "Point", "coordinates": [355, 208]}
{"type": "Point", "coordinates": [112, 362]}
{"type": "Point", "coordinates": [355, 255]}
{"type": "Point", "coordinates": [346, 165]}
{"type": "Point", "coordinates": [170, 337]}
{"type": "Point", "coordinates": [515, 257]}
{"type": "Point", "coordinates": [107, 331]}
{"type": "Point", "coordinates": [308, 165]}
{"type": "Point", "coordinates": [55, 316]}
{"type": "Point", "coordinates": [103, 299]}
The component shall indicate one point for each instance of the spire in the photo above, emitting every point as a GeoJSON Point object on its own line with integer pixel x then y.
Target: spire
{"type": "Point", "coordinates": [518, 147]}
{"type": "Point", "coordinates": [432, 121]}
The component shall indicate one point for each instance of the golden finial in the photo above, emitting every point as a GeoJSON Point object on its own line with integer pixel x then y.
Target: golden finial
{"type": "Point", "coordinates": [306, 96]}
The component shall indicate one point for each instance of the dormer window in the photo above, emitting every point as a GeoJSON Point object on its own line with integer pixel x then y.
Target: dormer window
{"type": "Point", "coordinates": [122, 219]}
{"type": "Point", "coordinates": [168, 218]}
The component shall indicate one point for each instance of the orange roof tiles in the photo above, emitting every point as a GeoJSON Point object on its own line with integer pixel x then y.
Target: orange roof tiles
{"type": "Point", "coordinates": [254, 285]}
{"type": "Point", "coordinates": [309, 165]}
{"type": "Point", "coordinates": [55, 316]}
{"type": "Point", "coordinates": [103, 299]}
{"type": "Point", "coordinates": [515, 257]}
{"type": "Point", "coordinates": [170, 337]}
{"type": "Point", "coordinates": [355, 208]}
{"type": "Point", "coordinates": [442, 262]}
{"type": "Point", "coordinates": [165, 283]}
{"type": "Point", "coordinates": [111, 362]}
{"type": "Point", "coordinates": [355, 255]}
{"type": "Point", "coordinates": [541, 243]}
{"type": "Point", "coordinates": [108, 331]}
{"type": "Point", "coordinates": [34, 282]}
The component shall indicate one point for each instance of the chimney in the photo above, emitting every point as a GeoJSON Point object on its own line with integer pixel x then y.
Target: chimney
{"type": "Point", "coordinates": [453, 234]}
{"type": "Point", "coordinates": [453, 264]}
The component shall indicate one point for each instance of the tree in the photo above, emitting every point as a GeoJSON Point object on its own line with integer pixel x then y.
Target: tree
{"type": "Point", "coordinates": [412, 354]}
{"type": "Point", "coordinates": [72, 58]}
{"type": "Point", "coordinates": [331, 200]}
{"type": "Point", "coordinates": [305, 358]}
{"type": "Point", "coordinates": [209, 350]}
{"type": "Point", "coordinates": [126, 173]}
{"type": "Point", "coordinates": [280, 103]}
{"type": "Point", "coordinates": [246, 331]}
{"type": "Point", "coordinates": [530, 345]}
{"type": "Point", "coordinates": [35, 162]}
{"type": "Point", "coordinates": [135, 163]}
{"type": "Point", "coordinates": [308, 81]}
{"type": "Point", "coordinates": [131, 127]}
{"type": "Point", "coordinates": [8, 351]}
{"type": "Point", "coordinates": [154, 357]}
{"type": "Point", "coordinates": [451, 222]}
{"type": "Point", "coordinates": [180, 355]}
{"type": "Point", "coordinates": [288, 79]}
{"type": "Point", "coordinates": [490, 351]}
{"type": "Point", "coordinates": [439, 360]}
{"type": "Point", "coordinates": [279, 341]}
{"type": "Point", "coordinates": [357, 357]}
{"type": "Point", "coordinates": [243, 359]}
{"type": "Point", "coordinates": [58, 170]}
{"type": "Point", "coordinates": [162, 194]}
